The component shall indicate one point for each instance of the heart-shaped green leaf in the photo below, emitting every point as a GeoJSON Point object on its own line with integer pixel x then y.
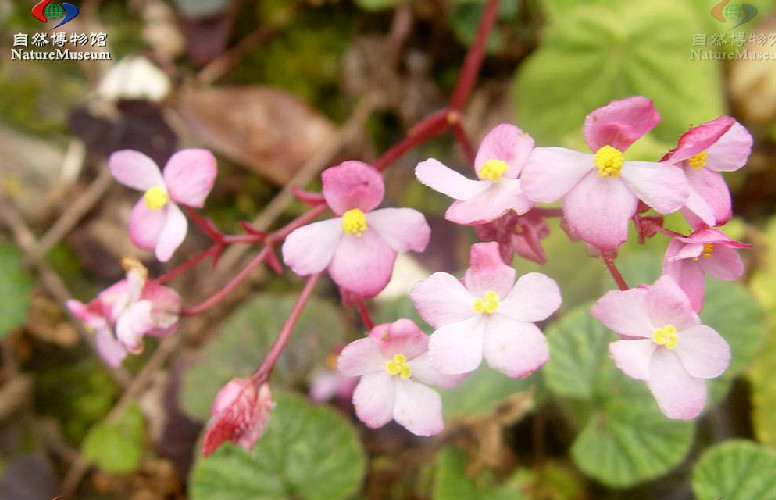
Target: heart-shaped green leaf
{"type": "Point", "coordinates": [736, 470]}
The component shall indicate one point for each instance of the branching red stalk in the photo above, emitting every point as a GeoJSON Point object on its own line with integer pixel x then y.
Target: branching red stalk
{"type": "Point", "coordinates": [432, 125]}
{"type": "Point", "coordinates": [608, 259]}
{"type": "Point", "coordinates": [365, 317]}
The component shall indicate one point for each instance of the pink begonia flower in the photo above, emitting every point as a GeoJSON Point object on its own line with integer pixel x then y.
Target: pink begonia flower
{"type": "Point", "coordinates": [721, 145]}
{"type": "Point", "coordinates": [135, 307]}
{"type": "Point", "coordinates": [488, 315]}
{"type": "Point", "coordinates": [395, 372]}
{"type": "Point", "coordinates": [521, 234]}
{"type": "Point", "coordinates": [499, 161]}
{"type": "Point", "coordinates": [359, 247]}
{"type": "Point", "coordinates": [664, 343]}
{"type": "Point", "coordinates": [327, 383]}
{"type": "Point", "coordinates": [156, 221]}
{"type": "Point", "coordinates": [601, 191]}
{"type": "Point", "coordinates": [706, 251]}
{"type": "Point", "coordinates": [240, 414]}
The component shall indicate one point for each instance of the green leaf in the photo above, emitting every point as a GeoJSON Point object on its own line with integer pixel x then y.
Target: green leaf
{"type": "Point", "coordinates": [483, 391]}
{"type": "Point", "coordinates": [377, 4]}
{"type": "Point", "coordinates": [735, 470]}
{"type": "Point", "coordinates": [246, 336]}
{"type": "Point", "coordinates": [592, 55]}
{"type": "Point", "coordinates": [307, 453]}
{"type": "Point", "coordinates": [15, 289]}
{"type": "Point", "coordinates": [117, 445]}
{"type": "Point", "coordinates": [451, 481]}
{"type": "Point", "coordinates": [625, 438]}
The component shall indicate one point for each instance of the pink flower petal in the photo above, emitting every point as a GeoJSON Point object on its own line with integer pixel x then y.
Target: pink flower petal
{"type": "Point", "coordinates": [633, 356]}
{"type": "Point", "coordinates": [402, 228]}
{"type": "Point", "coordinates": [732, 151]}
{"type": "Point", "coordinates": [514, 348]}
{"type": "Point", "coordinates": [362, 265]}
{"type": "Point", "coordinates": [677, 250]}
{"type": "Point", "coordinates": [625, 312]}
{"type": "Point", "coordinates": [360, 357]}
{"type": "Point", "coordinates": [533, 298]}
{"type": "Point", "coordinates": [679, 395]}
{"type": "Point", "coordinates": [699, 139]}
{"type": "Point", "coordinates": [110, 350]}
{"type": "Point", "coordinates": [456, 348]}
{"type": "Point", "coordinates": [709, 196]}
{"type": "Point", "coordinates": [189, 176]}
{"type": "Point", "coordinates": [374, 399]}
{"type": "Point", "coordinates": [166, 311]}
{"type": "Point", "coordinates": [487, 272]}
{"type": "Point", "coordinates": [507, 143]}
{"type": "Point", "coordinates": [659, 185]}
{"type": "Point", "coordinates": [135, 170]}
{"type": "Point", "coordinates": [400, 337]}
{"type": "Point", "coordinates": [447, 181]}
{"type": "Point", "coordinates": [690, 278]}
{"type": "Point", "coordinates": [424, 372]}
{"type": "Point", "coordinates": [145, 225]}
{"type": "Point", "coordinates": [667, 304]}
{"type": "Point", "coordinates": [418, 408]}
{"type": "Point", "coordinates": [352, 184]}
{"type": "Point", "coordinates": [506, 194]}
{"type": "Point", "coordinates": [133, 323]}
{"type": "Point", "coordinates": [724, 264]}
{"type": "Point", "coordinates": [704, 353]}
{"type": "Point", "coordinates": [620, 123]}
{"type": "Point", "coordinates": [173, 233]}
{"type": "Point", "coordinates": [551, 173]}
{"type": "Point", "coordinates": [441, 299]}
{"type": "Point", "coordinates": [599, 210]}
{"type": "Point", "coordinates": [310, 248]}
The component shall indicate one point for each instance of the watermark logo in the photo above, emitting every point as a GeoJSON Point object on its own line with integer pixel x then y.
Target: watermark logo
{"type": "Point", "coordinates": [739, 13]}
{"type": "Point", "coordinates": [45, 11]}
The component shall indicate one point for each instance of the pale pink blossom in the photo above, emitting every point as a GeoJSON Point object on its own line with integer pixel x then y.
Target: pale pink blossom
{"type": "Point", "coordinates": [517, 234]}
{"type": "Point", "coordinates": [241, 412]}
{"type": "Point", "coordinates": [601, 191]}
{"type": "Point", "coordinates": [157, 222]}
{"type": "Point", "coordinates": [706, 251]}
{"type": "Point", "coordinates": [664, 344]}
{"type": "Point", "coordinates": [703, 152]}
{"type": "Point", "coordinates": [358, 247]}
{"type": "Point", "coordinates": [488, 315]}
{"type": "Point", "coordinates": [499, 161]}
{"type": "Point", "coordinates": [327, 383]}
{"type": "Point", "coordinates": [395, 372]}
{"type": "Point", "coordinates": [133, 308]}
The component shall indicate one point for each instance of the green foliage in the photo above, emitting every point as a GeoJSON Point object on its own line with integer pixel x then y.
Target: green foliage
{"type": "Point", "coordinates": [307, 453]}
{"type": "Point", "coordinates": [625, 439]}
{"type": "Point", "coordinates": [246, 336]}
{"type": "Point", "coordinates": [610, 50]}
{"type": "Point", "coordinates": [377, 4]}
{"type": "Point", "coordinates": [451, 481]}
{"type": "Point", "coordinates": [15, 289]}
{"type": "Point", "coordinates": [117, 445]}
{"type": "Point", "coordinates": [481, 393]}
{"type": "Point", "coordinates": [465, 19]}
{"type": "Point", "coordinates": [735, 470]}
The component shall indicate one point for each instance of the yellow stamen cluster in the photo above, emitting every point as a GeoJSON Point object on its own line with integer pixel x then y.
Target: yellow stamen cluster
{"type": "Point", "coordinates": [488, 304]}
{"type": "Point", "coordinates": [665, 336]}
{"type": "Point", "coordinates": [493, 170]}
{"type": "Point", "coordinates": [354, 222]}
{"type": "Point", "coordinates": [708, 251]}
{"type": "Point", "coordinates": [156, 198]}
{"type": "Point", "coordinates": [398, 366]}
{"type": "Point", "coordinates": [608, 161]}
{"type": "Point", "coordinates": [698, 161]}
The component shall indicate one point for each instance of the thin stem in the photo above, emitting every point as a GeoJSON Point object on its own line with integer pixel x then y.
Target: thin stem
{"type": "Point", "coordinates": [548, 211]}
{"type": "Point", "coordinates": [432, 125]}
{"type": "Point", "coordinates": [608, 259]}
{"type": "Point", "coordinates": [365, 317]}
{"type": "Point", "coordinates": [264, 371]}
{"type": "Point", "coordinates": [187, 265]}
{"type": "Point", "coordinates": [473, 61]}
{"type": "Point", "coordinates": [463, 141]}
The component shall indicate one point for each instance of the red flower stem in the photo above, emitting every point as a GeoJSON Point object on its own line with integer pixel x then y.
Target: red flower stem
{"type": "Point", "coordinates": [187, 265]}
{"type": "Point", "coordinates": [463, 141]}
{"type": "Point", "coordinates": [473, 61]}
{"type": "Point", "coordinates": [432, 125]}
{"type": "Point", "coordinates": [548, 211]}
{"type": "Point", "coordinates": [264, 371]}
{"type": "Point", "coordinates": [661, 229]}
{"type": "Point", "coordinates": [365, 317]}
{"type": "Point", "coordinates": [608, 259]}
